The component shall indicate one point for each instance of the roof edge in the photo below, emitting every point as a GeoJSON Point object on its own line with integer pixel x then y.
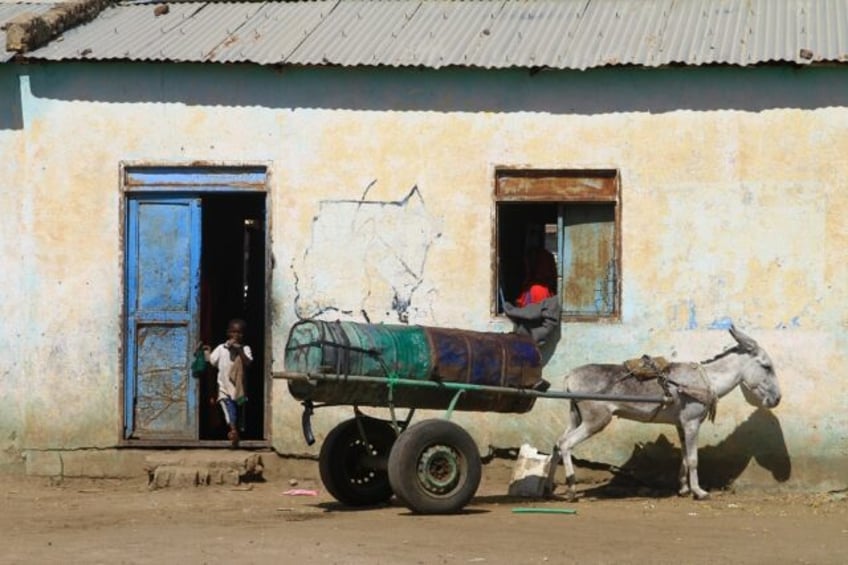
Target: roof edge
{"type": "Point", "coordinates": [27, 31]}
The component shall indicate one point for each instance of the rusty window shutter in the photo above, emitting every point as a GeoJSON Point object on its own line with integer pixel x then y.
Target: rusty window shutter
{"type": "Point", "coordinates": [547, 185]}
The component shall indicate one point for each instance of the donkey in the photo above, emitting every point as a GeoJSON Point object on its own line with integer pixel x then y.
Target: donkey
{"type": "Point", "coordinates": [691, 391]}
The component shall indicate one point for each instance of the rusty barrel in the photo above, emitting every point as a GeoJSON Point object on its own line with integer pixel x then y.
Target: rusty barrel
{"type": "Point", "coordinates": [411, 352]}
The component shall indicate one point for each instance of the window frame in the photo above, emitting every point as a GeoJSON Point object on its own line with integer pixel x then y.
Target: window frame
{"type": "Point", "coordinates": [559, 187]}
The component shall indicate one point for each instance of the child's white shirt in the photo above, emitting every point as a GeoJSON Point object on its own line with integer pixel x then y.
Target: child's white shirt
{"type": "Point", "coordinates": [220, 358]}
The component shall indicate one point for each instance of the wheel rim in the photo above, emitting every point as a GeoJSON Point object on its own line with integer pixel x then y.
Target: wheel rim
{"type": "Point", "coordinates": [355, 472]}
{"type": "Point", "coordinates": [439, 469]}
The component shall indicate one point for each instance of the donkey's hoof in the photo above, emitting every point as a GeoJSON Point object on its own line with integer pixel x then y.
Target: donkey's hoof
{"type": "Point", "coordinates": [702, 496]}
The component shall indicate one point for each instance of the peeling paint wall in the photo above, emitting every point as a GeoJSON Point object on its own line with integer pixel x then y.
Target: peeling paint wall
{"type": "Point", "coordinates": [733, 195]}
{"type": "Point", "coordinates": [385, 245]}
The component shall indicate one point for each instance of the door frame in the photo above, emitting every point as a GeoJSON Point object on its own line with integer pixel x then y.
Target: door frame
{"type": "Point", "coordinates": [187, 179]}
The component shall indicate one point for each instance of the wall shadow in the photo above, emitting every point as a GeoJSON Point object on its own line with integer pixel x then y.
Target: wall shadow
{"type": "Point", "coordinates": [10, 99]}
{"type": "Point", "coordinates": [590, 92]}
{"type": "Point", "coordinates": [652, 468]}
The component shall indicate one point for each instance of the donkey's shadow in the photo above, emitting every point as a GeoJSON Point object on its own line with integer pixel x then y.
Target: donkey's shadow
{"type": "Point", "coordinates": [653, 467]}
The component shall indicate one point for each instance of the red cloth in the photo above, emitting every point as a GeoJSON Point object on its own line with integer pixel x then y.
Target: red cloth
{"type": "Point", "coordinates": [536, 293]}
{"type": "Point", "coordinates": [540, 277]}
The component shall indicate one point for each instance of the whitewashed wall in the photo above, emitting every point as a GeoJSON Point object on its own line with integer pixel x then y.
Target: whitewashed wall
{"type": "Point", "coordinates": [734, 196]}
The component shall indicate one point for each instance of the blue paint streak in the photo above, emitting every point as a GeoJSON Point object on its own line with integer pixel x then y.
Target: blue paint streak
{"type": "Point", "coordinates": [721, 323]}
{"type": "Point", "coordinates": [795, 322]}
{"type": "Point", "coordinates": [693, 321]}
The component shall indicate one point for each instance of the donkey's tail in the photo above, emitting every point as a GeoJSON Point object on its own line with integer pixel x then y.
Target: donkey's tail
{"type": "Point", "coordinates": [574, 416]}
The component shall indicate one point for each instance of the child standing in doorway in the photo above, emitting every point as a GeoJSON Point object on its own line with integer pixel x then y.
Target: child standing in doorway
{"type": "Point", "coordinates": [231, 358]}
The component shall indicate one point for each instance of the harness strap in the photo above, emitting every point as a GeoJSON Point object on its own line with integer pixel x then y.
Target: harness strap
{"type": "Point", "coordinates": [705, 395]}
{"type": "Point", "coordinates": [666, 399]}
{"type": "Point", "coordinates": [661, 379]}
{"type": "Point", "coordinates": [712, 397]}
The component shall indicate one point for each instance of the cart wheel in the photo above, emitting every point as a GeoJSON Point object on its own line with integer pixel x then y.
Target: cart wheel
{"type": "Point", "coordinates": [350, 469]}
{"type": "Point", "coordinates": [434, 467]}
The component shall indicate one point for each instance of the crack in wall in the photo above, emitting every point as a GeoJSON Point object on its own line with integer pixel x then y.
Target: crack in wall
{"type": "Point", "coordinates": [366, 258]}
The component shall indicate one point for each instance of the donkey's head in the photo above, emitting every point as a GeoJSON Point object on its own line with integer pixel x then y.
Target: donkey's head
{"type": "Point", "coordinates": [759, 382]}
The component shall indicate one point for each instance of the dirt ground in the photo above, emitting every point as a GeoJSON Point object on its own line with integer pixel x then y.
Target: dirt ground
{"type": "Point", "coordinates": [84, 521]}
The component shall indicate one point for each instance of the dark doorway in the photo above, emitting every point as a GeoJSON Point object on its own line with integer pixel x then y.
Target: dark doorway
{"type": "Point", "coordinates": [232, 285]}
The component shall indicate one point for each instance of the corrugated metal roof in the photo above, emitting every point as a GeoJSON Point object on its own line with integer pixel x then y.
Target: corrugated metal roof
{"type": "Point", "coordinates": [572, 34]}
{"type": "Point", "coordinates": [9, 11]}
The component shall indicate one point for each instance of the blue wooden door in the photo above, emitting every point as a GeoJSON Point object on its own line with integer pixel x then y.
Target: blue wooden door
{"type": "Point", "coordinates": [163, 299]}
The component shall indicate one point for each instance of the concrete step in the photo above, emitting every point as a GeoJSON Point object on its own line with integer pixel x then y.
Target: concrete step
{"type": "Point", "coordinates": [192, 468]}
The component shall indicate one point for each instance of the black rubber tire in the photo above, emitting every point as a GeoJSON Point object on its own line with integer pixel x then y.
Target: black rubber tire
{"type": "Point", "coordinates": [435, 467]}
{"type": "Point", "coordinates": [340, 463]}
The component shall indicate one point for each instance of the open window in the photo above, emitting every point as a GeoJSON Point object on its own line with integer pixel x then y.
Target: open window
{"type": "Point", "coordinates": [575, 215]}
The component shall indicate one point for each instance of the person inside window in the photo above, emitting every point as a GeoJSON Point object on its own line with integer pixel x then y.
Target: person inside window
{"type": "Point", "coordinates": [537, 309]}
{"type": "Point", "coordinates": [540, 277]}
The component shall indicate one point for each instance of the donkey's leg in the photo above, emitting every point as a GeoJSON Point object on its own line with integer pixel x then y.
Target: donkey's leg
{"type": "Point", "coordinates": [683, 475]}
{"type": "Point", "coordinates": [589, 420]}
{"type": "Point", "coordinates": [573, 424]}
{"type": "Point", "coordinates": [690, 431]}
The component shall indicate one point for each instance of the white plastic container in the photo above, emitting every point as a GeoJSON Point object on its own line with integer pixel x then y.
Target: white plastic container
{"type": "Point", "coordinates": [532, 476]}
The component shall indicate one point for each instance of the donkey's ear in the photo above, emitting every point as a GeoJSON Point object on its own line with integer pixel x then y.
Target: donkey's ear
{"type": "Point", "coordinates": [742, 339]}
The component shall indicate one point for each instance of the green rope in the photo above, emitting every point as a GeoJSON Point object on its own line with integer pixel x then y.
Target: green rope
{"type": "Point", "coordinates": [392, 379]}
{"type": "Point", "coordinates": [453, 402]}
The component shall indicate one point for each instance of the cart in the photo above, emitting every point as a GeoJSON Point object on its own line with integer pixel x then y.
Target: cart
{"type": "Point", "coordinates": [432, 466]}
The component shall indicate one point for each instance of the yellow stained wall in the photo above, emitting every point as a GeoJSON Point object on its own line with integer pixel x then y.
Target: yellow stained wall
{"type": "Point", "coordinates": [727, 214]}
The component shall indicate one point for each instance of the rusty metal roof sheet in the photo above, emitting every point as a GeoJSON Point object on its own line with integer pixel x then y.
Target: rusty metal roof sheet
{"type": "Point", "coordinates": [11, 10]}
{"type": "Point", "coordinates": [562, 34]}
